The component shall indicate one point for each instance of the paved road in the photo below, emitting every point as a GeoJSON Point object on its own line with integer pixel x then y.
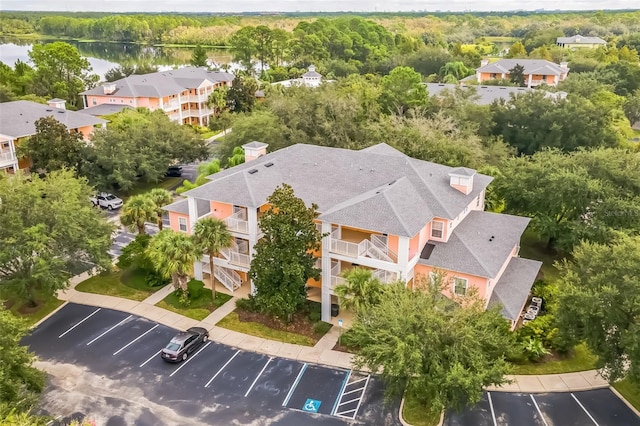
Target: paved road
{"type": "Point", "coordinates": [106, 363]}
{"type": "Point", "coordinates": [599, 407]}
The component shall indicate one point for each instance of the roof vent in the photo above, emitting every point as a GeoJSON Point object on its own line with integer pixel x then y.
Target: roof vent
{"type": "Point", "coordinates": [49, 110]}
{"type": "Point", "coordinates": [269, 164]}
{"type": "Point", "coordinates": [392, 182]}
{"type": "Point", "coordinates": [60, 112]}
{"type": "Point", "coordinates": [503, 88]}
{"type": "Point", "coordinates": [252, 171]}
{"type": "Point", "coordinates": [484, 87]}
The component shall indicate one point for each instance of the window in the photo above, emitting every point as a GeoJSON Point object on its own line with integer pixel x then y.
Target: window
{"type": "Point", "coordinates": [182, 223]}
{"type": "Point", "coordinates": [437, 229]}
{"type": "Point", "coordinates": [94, 101]}
{"type": "Point", "coordinates": [433, 278]}
{"type": "Point", "coordinates": [460, 286]}
{"type": "Point", "coordinates": [457, 180]}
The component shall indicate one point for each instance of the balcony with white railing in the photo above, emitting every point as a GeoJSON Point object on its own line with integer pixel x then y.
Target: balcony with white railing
{"type": "Point", "coordinates": [7, 156]}
{"type": "Point", "coordinates": [385, 276]}
{"type": "Point", "coordinates": [373, 247]}
{"type": "Point", "coordinates": [235, 257]}
{"type": "Point", "coordinates": [171, 105]}
{"type": "Point", "coordinates": [237, 222]}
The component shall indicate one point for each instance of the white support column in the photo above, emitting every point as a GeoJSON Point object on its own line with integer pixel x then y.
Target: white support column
{"type": "Point", "coordinates": [530, 80]}
{"type": "Point", "coordinates": [193, 218]}
{"type": "Point", "coordinates": [403, 256]}
{"type": "Point", "coordinates": [198, 270]}
{"type": "Point", "coordinates": [326, 274]}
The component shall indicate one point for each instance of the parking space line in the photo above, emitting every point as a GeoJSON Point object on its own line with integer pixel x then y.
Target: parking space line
{"type": "Point", "coordinates": [295, 384]}
{"type": "Point", "coordinates": [364, 389]}
{"type": "Point", "coordinates": [222, 368]}
{"type": "Point", "coordinates": [259, 374]}
{"type": "Point", "coordinates": [189, 359]}
{"type": "Point", "coordinates": [493, 413]}
{"type": "Point", "coordinates": [80, 322]}
{"type": "Point", "coordinates": [585, 410]}
{"type": "Point", "coordinates": [135, 340]}
{"type": "Point", "coordinates": [538, 408]}
{"type": "Point", "coordinates": [109, 330]}
{"type": "Point", "coordinates": [341, 394]}
{"type": "Point", "coordinates": [150, 358]}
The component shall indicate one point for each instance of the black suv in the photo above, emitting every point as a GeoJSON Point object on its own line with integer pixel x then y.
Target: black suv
{"type": "Point", "coordinates": [174, 171]}
{"type": "Point", "coordinates": [184, 344]}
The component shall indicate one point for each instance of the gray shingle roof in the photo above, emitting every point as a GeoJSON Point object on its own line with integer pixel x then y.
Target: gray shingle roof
{"type": "Point", "coordinates": [531, 66]}
{"type": "Point", "coordinates": [463, 171]}
{"type": "Point", "coordinates": [469, 249]}
{"type": "Point", "coordinates": [578, 39]}
{"type": "Point", "coordinates": [255, 144]}
{"type": "Point", "coordinates": [17, 118]}
{"type": "Point", "coordinates": [104, 109]}
{"type": "Point", "coordinates": [513, 287]}
{"type": "Point", "coordinates": [162, 83]}
{"type": "Point", "coordinates": [332, 176]}
{"type": "Point", "coordinates": [485, 95]}
{"type": "Point", "coordinates": [182, 207]}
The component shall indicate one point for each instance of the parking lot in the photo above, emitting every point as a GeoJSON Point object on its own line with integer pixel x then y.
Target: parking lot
{"type": "Point", "coordinates": [599, 407]}
{"type": "Point", "coordinates": [110, 361]}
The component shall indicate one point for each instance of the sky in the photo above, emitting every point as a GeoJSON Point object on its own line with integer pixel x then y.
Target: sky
{"type": "Point", "coordinates": [307, 5]}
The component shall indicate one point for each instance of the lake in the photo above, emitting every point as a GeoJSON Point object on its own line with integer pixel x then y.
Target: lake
{"type": "Point", "coordinates": [104, 56]}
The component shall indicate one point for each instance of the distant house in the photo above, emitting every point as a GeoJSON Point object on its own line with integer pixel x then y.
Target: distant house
{"type": "Point", "coordinates": [580, 42]}
{"type": "Point", "coordinates": [536, 71]}
{"type": "Point", "coordinates": [18, 119]}
{"type": "Point", "coordinates": [182, 93]}
{"type": "Point", "coordinates": [311, 78]}
{"type": "Point", "coordinates": [485, 95]}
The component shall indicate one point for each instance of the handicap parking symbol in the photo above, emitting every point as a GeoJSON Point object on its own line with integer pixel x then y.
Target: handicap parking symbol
{"type": "Point", "coordinates": [311, 405]}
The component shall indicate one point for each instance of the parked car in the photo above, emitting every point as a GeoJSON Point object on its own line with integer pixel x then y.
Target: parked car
{"type": "Point", "coordinates": [106, 201]}
{"type": "Point", "coordinates": [174, 171]}
{"type": "Point", "coordinates": [184, 344]}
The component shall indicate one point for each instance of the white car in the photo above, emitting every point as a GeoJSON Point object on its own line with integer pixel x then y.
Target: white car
{"type": "Point", "coordinates": [106, 201]}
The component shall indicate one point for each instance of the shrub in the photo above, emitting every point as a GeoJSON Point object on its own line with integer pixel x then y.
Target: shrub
{"type": "Point", "coordinates": [153, 279]}
{"type": "Point", "coordinates": [245, 305]}
{"type": "Point", "coordinates": [321, 327]}
{"type": "Point", "coordinates": [314, 316]}
{"type": "Point", "coordinates": [133, 255]}
{"type": "Point", "coordinates": [548, 291]}
{"type": "Point", "coordinates": [534, 349]}
{"type": "Point", "coordinates": [543, 328]}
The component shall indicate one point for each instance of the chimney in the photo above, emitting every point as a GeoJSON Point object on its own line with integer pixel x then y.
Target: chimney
{"type": "Point", "coordinates": [461, 179]}
{"type": "Point", "coordinates": [108, 88]}
{"type": "Point", "coordinates": [484, 63]}
{"type": "Point", "coordinates": [254, 150]}
{"type": "Point", "coordinates": [564, 65]}
{"type": "Point", "coordinates": [57, 103]}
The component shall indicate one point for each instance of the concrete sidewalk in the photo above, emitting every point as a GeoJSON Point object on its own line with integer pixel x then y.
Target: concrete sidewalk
{"type": "Point", "coordinates": [321, 353]}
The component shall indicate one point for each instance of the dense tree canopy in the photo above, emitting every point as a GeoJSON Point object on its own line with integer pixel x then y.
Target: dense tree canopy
{"type": "Point", "coordinates": [599, 304]}
{"type": "Point", "coordinates": [593, 195]}
{"type": "Point", "coordinates": [20, 382]}
{"type": "Point", "coordinates": [443, 352]}
{"type": "Point", "coordinates": [283, 261]}
{"type": "Point", "coordinates": [45, 233]}
{"type": "Point", "coordinates": [138, 146]}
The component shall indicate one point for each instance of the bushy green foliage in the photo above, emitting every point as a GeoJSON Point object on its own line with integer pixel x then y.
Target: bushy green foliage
{"type": "Point", "coordinates": [321, 328]}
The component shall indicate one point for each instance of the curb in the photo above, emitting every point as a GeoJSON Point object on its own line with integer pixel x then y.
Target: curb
{"type": "Point", "coordinates": [628, 404]}
{"type": "Point", "coordinates": [405, 423]}
{"type": "Point", "coordinates": [46, 317]}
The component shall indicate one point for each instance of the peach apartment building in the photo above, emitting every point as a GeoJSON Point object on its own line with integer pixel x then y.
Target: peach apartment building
{"type": "Point", "coordinates": [17, 122]}
{"type": "Point", "coordinates": [181, 93]}
{"type": "Point", "coordinates": [536, 71]}
{"type": "Point", "coordinates": [400, 217]}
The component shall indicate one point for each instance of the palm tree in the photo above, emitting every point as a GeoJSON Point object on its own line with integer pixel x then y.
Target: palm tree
{"type": "Point", "coordinates": [211, 235]}
{"type": "Point", "coordinates": [137, 211]}
{"type": "Point", "coordinates": [160, 197]}
{"type": "Point", "coordinates": [172, 255]}
{"type": "Point", "coordinates": [360, 289]}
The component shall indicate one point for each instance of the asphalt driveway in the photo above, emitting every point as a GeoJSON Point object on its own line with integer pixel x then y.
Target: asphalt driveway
{"type": "Point", "coordinates": [106, 364]}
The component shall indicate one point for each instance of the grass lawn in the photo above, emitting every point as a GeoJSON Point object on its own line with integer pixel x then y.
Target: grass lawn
{"type": "Point", "coordinates": [232, 322]}
{"type": "Point", "coordinates": [207, 135]}
{"type": "Point", "coordinates": [129, 284]}
{"type": "Point", "coordinates": [416, 414]}
{"type": "Point", "coordinates": [580, 359]}
{"type": "Point", "coordinates": [630, 391]}
{"type": "Point", "coordinates": [31, 315]}
{"type": "Point", "coordinates": [533, 248]}
{"type": "Point", "coordinates": [168, 183]}
{"type": "Point", "coordinates": [200, 303]}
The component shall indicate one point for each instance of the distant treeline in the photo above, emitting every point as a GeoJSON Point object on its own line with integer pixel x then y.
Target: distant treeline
{"type": "Point", "coordinates": [210, 29]}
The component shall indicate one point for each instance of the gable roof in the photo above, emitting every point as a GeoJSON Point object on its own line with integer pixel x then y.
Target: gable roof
{"type": "Point", "coordinates": [578, 39]}
{"type": "Point", "coordinates": [512, 289]}
{"type": "Point", "coordinates": [18, 118]}
{"type": "Point", "coordinates": [479, 245]}
{"type": "Point", "coordinates": [161, 83]}
{"type": "Point", "coordinates": [343, 183]}
{"type": "Point", "coordinates": [104, 109]}
{"type": "Point", "coordinates": [486, 95]}
{"type": "Point", "coordinates": [531, 66]}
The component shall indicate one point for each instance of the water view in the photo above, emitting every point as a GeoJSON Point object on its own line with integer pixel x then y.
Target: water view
{"type": "Point", "coordinates": [104, 56]}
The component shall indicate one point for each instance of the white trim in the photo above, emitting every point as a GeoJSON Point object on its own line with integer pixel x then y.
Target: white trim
{"type": "Point", "coordinates": [433, 222]}
{"type": "Point", "coordinates": [182, 221]}
{"type": "Point", "coordinates": [466, 285]}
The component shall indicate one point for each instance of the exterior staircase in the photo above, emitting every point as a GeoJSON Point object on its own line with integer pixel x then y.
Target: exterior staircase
{"type": "Point", "coordinates": [228, 277]}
